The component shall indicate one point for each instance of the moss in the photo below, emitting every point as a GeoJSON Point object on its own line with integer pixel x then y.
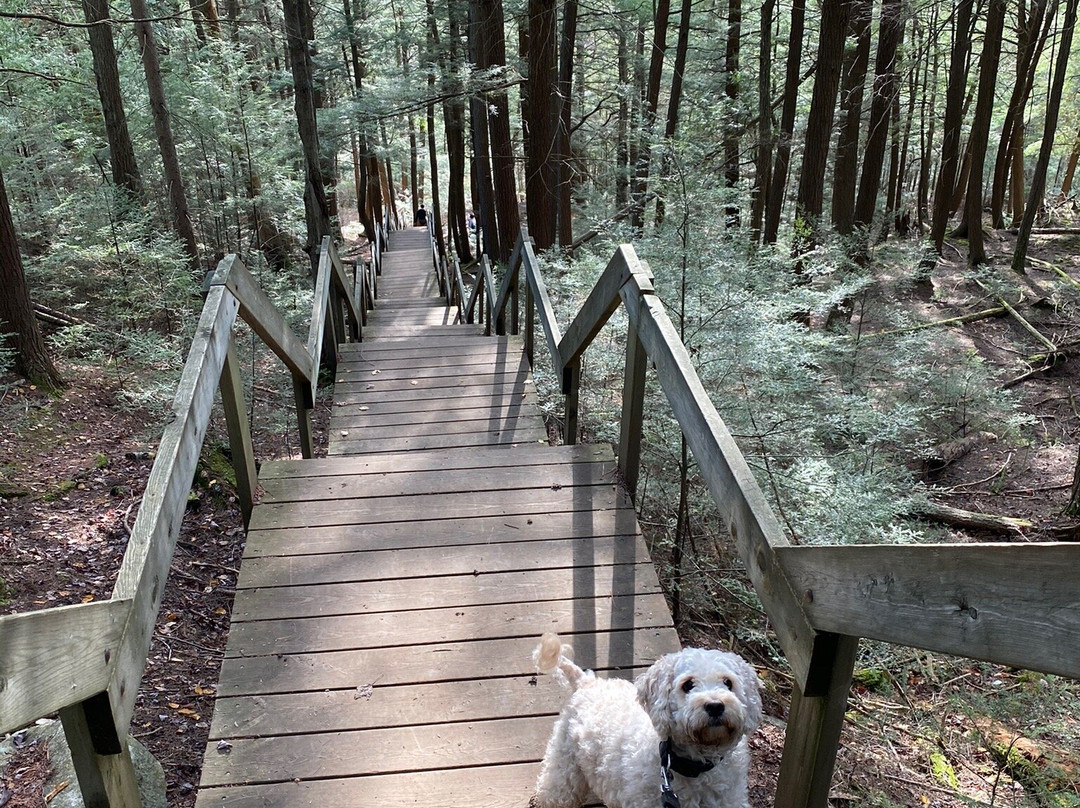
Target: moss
{"type": "Point", "coordinates": [62, 488]}
{"type": "Point", "coordinates": [101, 461]}
{"type": "Point", "coordinates": [875, 679]}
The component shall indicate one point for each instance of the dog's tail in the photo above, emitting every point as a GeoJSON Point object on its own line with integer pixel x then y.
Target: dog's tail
{"type": "Point", "coordinates": [552, 656]}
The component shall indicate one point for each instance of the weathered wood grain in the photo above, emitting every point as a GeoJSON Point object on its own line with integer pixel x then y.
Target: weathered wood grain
{"type": "Point", "coordinates": [508, 786]}
{"type": "Point", "coordinates": [379, 371]}
{"type": "Point", "coordinates": [1013, 604]}
{"type": "Point", "coordinates": [406, 705]}
{"type": "Point", "coordinates": [460, 623]}
{"type": "Point", "coordinates": [287, 673]}
{"type": "Point", "coordinates": [79, 643]}
{"type": "Point", "coordinates": [375, 565]}
{"type": "Point", "coordinates": [435, 461]}
{"type": "Point", "coordinates": [378, 751]}
{"type": "Point", "coordinates": [458, 420]}
{"type": "Point", "coordinates": [476, 439]}
{"type": "Point", "coordinates": [444, 533]}
{"type": "Point", "coordinates": [476, 588]}
{"type": "Point", "coordinates": [414, 392]}
{"type": "Point", "coordinates": [506, 397]}
{"type": "Point", "coordinates": [419, 380]}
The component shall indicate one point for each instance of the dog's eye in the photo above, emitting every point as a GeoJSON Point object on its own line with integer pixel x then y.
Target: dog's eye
{"type": "Point", "coordinates": [688, 685]}
{"type": "Point", "coordinates": [730, 685]}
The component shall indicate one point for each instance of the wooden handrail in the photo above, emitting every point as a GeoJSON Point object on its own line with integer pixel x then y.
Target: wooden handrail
{"type": "Point", "coordinates": [1010, 604]}
{"type": "Point", "coordinates": [87, 661]}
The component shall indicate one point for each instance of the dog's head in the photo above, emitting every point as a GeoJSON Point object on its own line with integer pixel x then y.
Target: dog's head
{"type": "Point", "coordinates": [702, 699]}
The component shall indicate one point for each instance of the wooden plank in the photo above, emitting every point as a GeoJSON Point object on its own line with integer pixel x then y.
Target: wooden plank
{"type": "Point", "coordinates": [505, 437]}
{"type": "Point", "coordinates": [507, 398]}
{"type": "Point", "coordinates": [405, 705]}
{"type": "Point", "coordinates": [55, 658]}
{"type": "Point", "coordinates": [366, 371]}
{"type": "Point", "coordinates": [319, 309]}
{"type": "Point", "coordinates": [380, 751]}
{"type": "Point", "coordinates": [542, 303]}
{"type": "Point", "coordinates": [377, 332]}
{"type": "Point", "coordinates": [411, 317]}
{"type": "Point", "coordinates": [731, 483]}
{"type": "Point", "coordinates": [452, 348]}
{"type": "Point", "coordinates": [377, 384]}
{"type": "Point", "coordinates": [419, 563]}
{"type": "Point", "coordinates": [527, 527]}
{"type": "Point", "coordinates": [1013, 604]}
{"type": "Point", "coordinates": [438, 460]}
{"type": "Point", "coordinates": [459, 420]}
{"type": "Point", "coordinates": [454, 624]}
{"type": "Point", "coordinates": [153, 537]}
{"type": "Point", "coordinates": [504, 786]}
{"type": "Point", "coordinates": [413, 392]}
{"type": "Point", "coordinates": [435, 376]}
{"type": "Point", "coordinates": [447, 506]}
{"type": "Point", "coordinates": [478, 588]}
{"type": "Point", "coordinates": [444, 662]}
{"type": "Point", "coordinates": [233, 405]}
{"type": "Point", "coordinates": [476, 355]}
{"type": "Point", "coordinates": [449, 338]}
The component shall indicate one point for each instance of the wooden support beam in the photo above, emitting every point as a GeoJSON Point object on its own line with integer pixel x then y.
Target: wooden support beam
{"type": "Point", "coordinates": [1014, 604]}
{"type": "Point", "coordinates": [633, 410]}
{"type": "Point", "coordinates": [600, 305]}
{"type": "Point", "coordinates": [100, 755]}
{"type": "Point", "coordinates": [571, 383]}
{"type": "Point", "coordinates": [542, 302]}
{"type": "Point", "coordinates": [813, 728]}
{"type": "Point", "coordinates": [231, 388]}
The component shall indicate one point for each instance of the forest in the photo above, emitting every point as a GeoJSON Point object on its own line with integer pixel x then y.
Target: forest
{"type": "Point", "coordinates": [861, 214]}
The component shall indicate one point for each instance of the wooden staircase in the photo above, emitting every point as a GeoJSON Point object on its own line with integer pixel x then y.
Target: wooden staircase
{"type": "Point", "coordinates": [391, 594]}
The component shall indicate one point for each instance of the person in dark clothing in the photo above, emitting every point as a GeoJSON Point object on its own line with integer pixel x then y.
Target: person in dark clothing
{"type": "Point", "coordinates": [420, 219]}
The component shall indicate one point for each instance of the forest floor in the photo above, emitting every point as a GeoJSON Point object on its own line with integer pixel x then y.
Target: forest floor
{"type": "Point", "coordinates": [922, 730]}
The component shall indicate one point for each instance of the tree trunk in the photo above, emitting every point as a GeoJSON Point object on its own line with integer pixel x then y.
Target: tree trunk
{"type": "Point", "coordinates": [454, 124]}
{"type": "Point", "coordinates": [731, 91]}
{"type": "Point", "coordinates": [362, 150]}
{"type": "Point", "coordinates": [563, 159]}
{"type": "Point", "coordinates": [485, 191]}
{"type": "Point", "coordinates": [926, 126]}
{"type": "Point", "coordinates": [125, 170]}
{"type": "Point", "coordinates": [830, 58]}
{"type": "Point", "coordinates": [622, 153]}
{"type": "Point", "coordinates": [779, 176]}
{"type": "Point", "coordinates": [764, 146]}
{"type": "Point", "coordinates": [890, 28]}
{"type": "Point", "coordinates": [316, 210]}
{"type": "Point", "coordinates": [18, 327]}
{"type": "Point", "coordinates": [493, 47]}
{"type": "Point", "coordinates": [542, 121]}
{"type": "Point", "coordinates": [980, 128]}
{"type": "Point", "coordinates": [1038, 179]}
{"type": "Point", "coordinates": [675, 96]}
{"type": "Point", "coordinates": [1070, 169]}
{"type": "Point", "coordinates": [1029, 48]}
{"type": "Point", "coordinates": [846, 169]}
{"type": "Point", "coordinates": [640, 185]}
{"type": "Point", "coordinates": [954, 101]}
{"type": "Point", "coordinates": [433, 157]}
{"type": "Point", "coordinates": [163, 129]}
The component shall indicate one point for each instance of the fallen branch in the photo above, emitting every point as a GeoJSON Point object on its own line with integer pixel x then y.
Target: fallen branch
{"type": "Point", "coordinates": [936, 512]}
{"type": "Point", "coordinates": [997, 311]}
{"type": "Point", "coordinates": [1050, 347]}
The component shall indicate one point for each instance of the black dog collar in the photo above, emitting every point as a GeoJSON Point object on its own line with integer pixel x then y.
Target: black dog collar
{"type": "Point", "coordinates": [672, 761]}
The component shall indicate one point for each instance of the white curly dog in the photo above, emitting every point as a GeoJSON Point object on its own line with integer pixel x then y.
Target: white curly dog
{"type": "Point", "coordinates": [677, 735]}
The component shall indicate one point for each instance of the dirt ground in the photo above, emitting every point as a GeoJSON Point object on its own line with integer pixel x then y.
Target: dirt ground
{"type": "Point", "coordinates": [73, 469]}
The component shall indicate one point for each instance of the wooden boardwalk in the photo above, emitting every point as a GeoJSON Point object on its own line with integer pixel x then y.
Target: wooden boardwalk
{"type": "Point", "coordinates": [391, 594]}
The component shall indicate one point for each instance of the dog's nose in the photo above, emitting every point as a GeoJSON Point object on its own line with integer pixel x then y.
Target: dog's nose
{"type": "Point", "coordinates": [715, 709]}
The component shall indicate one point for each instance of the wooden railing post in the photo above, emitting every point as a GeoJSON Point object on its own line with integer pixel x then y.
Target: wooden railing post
{"type": "Point", "coordinates": [530, 321]}
{"type": "Point", "coordinates": [813, 732]}
{"type": "Point", "coordinates": [231, 387]}
{"type": "Point", "coordinates": [571, 389]}
{"type": "Point", "coordinates": [100, 755]}
{"type": "Point", "coordinates": [301, 395]}
{"type": "Point", "coordinates": [633, 410]}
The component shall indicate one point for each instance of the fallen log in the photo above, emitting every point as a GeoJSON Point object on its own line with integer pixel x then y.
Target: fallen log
{"type": "Point", "coordinates": [997, 311]}
{"type": "Point", "coordinates": [957, 517]}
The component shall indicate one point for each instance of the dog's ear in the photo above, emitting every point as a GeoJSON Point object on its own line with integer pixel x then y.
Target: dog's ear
{"type": "Point", "coordinates": [751, 695]}
{"type": "Point", "coordinates": [654, 693]}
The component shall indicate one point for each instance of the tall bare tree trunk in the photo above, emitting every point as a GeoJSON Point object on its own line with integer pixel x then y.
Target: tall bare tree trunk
{"type": "Point", "coordinates": [564, 156]}
{"type": "Point", "coordinates": [1038, 179]}
{"type": "Point", "coordinates": [316, 210]}
{"type": "Point", "coordinates": [733, 129]}
{"type": "Point", "coordinates": [174, 181]}
{"type": "Point", "coordinates": [846, 167]}
{"type": "Point", "coordinates": [639, 187]}
{"type": "Point", "coordinates": [125, 170]}
{"type": "Point", "coordinates": [980, 129]}
{"type": "Point", "coordinates": [764, 147]}
{"type": "Point", "coordinates": [19, 330]}
{"type": "Point", "coordinates": [954, 112]}
{"type": "Point", "coordinates": [675, 96]}
{"type": "Point", "coordinates": [542, 120]}
{"type": "Point", "coordinates": [778, 180]}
